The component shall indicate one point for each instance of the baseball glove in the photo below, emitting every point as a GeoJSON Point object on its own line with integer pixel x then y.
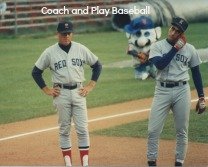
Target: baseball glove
{"type": "Point", "coordinates": [143, 57]}
{"type": "Point", "coordinates": [200, 106]}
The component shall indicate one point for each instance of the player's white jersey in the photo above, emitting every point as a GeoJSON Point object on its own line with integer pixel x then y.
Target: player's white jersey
{"type": "Point", "coordinates": [66, 67]}
{"type": "Point", "coordinates": [177, 70]}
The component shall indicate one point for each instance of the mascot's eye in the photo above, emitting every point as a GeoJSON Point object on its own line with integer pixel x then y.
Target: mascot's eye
{"type": "Point", "coordinates": [138, 33]}
{"type": "Point", "coordinates": [147, 33]}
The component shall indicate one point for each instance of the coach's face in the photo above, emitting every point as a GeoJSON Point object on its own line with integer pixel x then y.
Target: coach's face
{"type": "Point", "coordinates": [173, 34]}
{"type": "Point", "coordinates": [65, 38]}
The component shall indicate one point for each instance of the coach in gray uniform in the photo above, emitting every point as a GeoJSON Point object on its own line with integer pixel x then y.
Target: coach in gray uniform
{"type": "Point", "coordinates": [172, 58]}
{"type": "Point", "coordinates": [66, 60]}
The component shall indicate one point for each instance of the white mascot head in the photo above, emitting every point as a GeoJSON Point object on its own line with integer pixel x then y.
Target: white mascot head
{"type": "Point", "coordinates": [141, 33]}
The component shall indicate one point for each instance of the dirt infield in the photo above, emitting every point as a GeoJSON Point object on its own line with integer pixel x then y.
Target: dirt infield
{"type": "Point", "coordinates": [33, 143]}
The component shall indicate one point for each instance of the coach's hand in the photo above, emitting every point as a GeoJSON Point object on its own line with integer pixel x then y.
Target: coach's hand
{"type": "Point", "coordinates": [200, 106]}
{"type": "Point", "coordinates": [181, 42]}
{"type": "Point", "coordinates": [52, 91]}
{"type": "Point", "coordinates": [84, 91]}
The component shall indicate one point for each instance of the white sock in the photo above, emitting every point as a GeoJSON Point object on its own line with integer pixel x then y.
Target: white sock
{"type": "Point", "coordinates": [85, 160]}
{"type": "Point", "coordinates": [179, 160]}
{"type": "Point", "coordinates": [67, 161]}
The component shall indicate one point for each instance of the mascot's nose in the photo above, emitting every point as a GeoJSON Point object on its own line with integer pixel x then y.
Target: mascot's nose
{"type": "Point", "coordinates": [142, 42]}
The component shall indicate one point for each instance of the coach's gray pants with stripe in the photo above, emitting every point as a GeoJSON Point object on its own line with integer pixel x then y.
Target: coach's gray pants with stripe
{"type": "Point", "coordinates": [177, 99]}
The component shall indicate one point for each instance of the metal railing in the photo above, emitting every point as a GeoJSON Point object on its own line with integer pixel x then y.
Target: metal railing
{"type": "Point", "coordinates": [27, 13]}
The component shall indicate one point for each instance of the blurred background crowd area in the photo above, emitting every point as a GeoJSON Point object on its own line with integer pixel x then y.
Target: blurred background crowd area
{"type": "Point", "coordinates": [23, 16]}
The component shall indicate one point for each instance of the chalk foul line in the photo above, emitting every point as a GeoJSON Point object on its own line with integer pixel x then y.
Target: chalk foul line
{"type": "Point", "coordinates": [89, 121]}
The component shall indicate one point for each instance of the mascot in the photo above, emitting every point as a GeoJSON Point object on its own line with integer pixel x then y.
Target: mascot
{"type": "Point", "coordinates": [141, 33]}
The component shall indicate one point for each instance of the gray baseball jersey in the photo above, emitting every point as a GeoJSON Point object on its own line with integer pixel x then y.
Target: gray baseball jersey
{"type": "Point", "coordinates": [175, 98]}
{"type": "Point", "coordinates": [66, 67]}
{"type": "Point", "coordinates": [184, 59]}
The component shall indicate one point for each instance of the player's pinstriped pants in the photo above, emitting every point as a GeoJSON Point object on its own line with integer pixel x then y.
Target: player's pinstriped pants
{"type": "Point", "coordinates": [178, 100]}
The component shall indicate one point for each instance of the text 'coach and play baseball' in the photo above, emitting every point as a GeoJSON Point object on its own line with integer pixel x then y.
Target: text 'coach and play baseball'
{"type": "Point", "coordinates": [95, 10]}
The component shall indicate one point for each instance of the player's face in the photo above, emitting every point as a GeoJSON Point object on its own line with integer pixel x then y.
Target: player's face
{"type": "Point", "coordinates": [65, 38]}
{"type": "Point", "coordinates": [173, 34]}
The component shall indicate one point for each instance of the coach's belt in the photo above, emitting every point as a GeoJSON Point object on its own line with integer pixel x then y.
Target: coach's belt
{"type": "Point", "coordinates": [66, 86]}
{"type": "Point", "coordinates": [172, 84]}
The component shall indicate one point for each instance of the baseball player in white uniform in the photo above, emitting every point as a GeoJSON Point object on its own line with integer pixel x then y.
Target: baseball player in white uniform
{"type": "Point", "coordinates": [66, 60]}
{"type": "Point", "coordinates": [173, 57]}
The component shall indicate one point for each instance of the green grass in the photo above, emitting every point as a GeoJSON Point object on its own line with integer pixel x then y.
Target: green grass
{"type": "Point", "coordinates": [197, 129]}
{"type": "Point", "coordinates": [21, 99]}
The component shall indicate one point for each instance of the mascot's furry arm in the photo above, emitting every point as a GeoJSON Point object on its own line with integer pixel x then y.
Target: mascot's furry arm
{"type": "Point", "coordinates": [143, 57]}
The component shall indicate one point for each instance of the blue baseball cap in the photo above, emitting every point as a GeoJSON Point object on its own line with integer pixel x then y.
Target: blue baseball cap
{"type": "Point", "coordinates": [180, 23]}
{"type": "Point", "coordinates": [139, 23]}
{"type": "Point", "coordinates": [65, 26]}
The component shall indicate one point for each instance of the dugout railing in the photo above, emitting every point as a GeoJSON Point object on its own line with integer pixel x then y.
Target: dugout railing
{"type": "Point", "coordinates": [23, 14]}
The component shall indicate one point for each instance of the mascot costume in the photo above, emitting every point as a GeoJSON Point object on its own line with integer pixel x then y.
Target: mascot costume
{"type": "Point", "coordinates": [141, 33]}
